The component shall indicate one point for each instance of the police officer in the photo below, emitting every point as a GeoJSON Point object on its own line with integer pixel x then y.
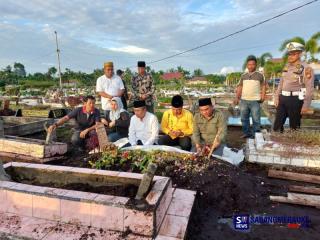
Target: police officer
{"type": "Point", "coordinates": [294, 94]}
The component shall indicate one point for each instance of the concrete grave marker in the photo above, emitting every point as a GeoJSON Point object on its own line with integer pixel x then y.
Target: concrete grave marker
{"type": "Point", "coordinates": [1, 128]}
{"type": "Point", "coordinates": [51, 136]}
{"type": "Point", "coordinates": [3, 175]}
{"type": "Point", "coordinates": [102, 136]}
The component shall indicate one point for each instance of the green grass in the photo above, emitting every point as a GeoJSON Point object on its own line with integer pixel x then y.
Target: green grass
{"type": "Point", "coordinates": [159, 115]}
{"type": "Point", "coordinates": [37, 84]}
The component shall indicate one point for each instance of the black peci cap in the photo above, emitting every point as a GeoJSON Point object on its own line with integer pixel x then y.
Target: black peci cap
{"type": "Point", "coordinates": [138, 104]}
{"type": "Point", "coordinates": [177, 101]}
{"type": "Point", "coordinates": [204, 102]}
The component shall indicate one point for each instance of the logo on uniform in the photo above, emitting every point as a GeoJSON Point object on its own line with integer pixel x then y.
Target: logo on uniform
{"type": "Point", "coordinates": [291, 47]}
{"type": "Point", "coordinates": [241, 222]}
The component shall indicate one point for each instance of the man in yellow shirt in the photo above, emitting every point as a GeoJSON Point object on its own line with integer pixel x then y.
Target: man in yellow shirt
{"type": "Point", "coordinates": [177, 125]}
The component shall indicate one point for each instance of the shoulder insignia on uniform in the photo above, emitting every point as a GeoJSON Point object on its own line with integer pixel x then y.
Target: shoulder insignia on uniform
{"type": "Point", "coordinates": [285, 69]}
{"type": "Point", "coordinates": [308, 72]}
{"type": "Point", "coordinates": [299, 68]}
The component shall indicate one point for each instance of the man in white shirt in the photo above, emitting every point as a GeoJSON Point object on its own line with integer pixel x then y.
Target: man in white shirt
{"type": "Point", "coordinates": [108, 86]}
{"type": "Point", "coordinates": [144, 126]}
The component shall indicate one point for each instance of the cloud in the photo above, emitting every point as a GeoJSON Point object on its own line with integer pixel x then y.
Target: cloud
{"type": "Point", "coordinates": [126, 31]}
{"type": "Point", "coordinates": [229, 69]}
{"type": "Point", "coordinates": [130, 49]}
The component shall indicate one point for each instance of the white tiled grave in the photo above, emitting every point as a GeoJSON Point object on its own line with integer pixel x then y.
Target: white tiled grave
{"type": "Point", "coordinates": [167, 214]}
{"type": "Point", "coordinates": [260, 150]}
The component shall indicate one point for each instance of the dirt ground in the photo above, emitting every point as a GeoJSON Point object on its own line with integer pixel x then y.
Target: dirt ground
{"type": "Point", "coordinates": [224, 190]}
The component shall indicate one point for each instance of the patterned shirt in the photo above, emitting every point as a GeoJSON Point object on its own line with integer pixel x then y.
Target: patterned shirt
{"type": "Point", "coordinates": [143, 85]}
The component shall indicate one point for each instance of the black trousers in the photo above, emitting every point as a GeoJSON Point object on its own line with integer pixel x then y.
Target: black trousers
{"type": "Point", "coordinates": [183, 142]}
{"type": "Point", "coordinates": [288, 107]}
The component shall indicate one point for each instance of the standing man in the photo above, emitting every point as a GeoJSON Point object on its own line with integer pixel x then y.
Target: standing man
{"type": "Point", "coordinates": [142, 87]}
{"type": "Point", "coordinates": [250, 92]}
{"type": "Point", "coordinates": [124, 96]}
{"type": "Point", "coordinates": [294, 94]}
{"type": "Point", "coordinates": [108, 86]}
{"type": "Point", "coordinates": [177, 125]}
{"type": "Point", "coordinates": [209, 128]}
{"type": "Point", "coordinates": [144, 126]}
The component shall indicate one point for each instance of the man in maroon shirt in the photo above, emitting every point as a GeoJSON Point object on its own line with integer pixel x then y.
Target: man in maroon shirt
{"type": "Point", "coordinates": [85, 117]}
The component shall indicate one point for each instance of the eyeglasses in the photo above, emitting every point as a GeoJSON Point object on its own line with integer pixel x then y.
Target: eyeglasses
{"type": "Point", "coordinates": [293, 53]}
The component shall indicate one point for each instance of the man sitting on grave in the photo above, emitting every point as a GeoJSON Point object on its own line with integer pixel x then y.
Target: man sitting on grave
{"type": "Point", "coordinates": [177, 125]}
{"type": "Point", "coordinates": [209, 128]}
{"type": "Point", "coordinates": [86, 118]}
{"type": "Point", "coordinates": [144, 126]}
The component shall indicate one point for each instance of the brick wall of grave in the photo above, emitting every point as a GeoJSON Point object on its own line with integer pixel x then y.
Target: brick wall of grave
{"type": "Point", "coordinates": [259, 150]}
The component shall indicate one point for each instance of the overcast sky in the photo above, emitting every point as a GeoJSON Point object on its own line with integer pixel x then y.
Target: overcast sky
{"type": "Point", "coordinates": [124, 31]}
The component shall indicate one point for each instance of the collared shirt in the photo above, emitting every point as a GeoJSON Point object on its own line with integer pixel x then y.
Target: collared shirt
{"type": "Point", "coordinates": [146, 130]}
{"type": "Point", "coordinates": [143, 84]}
{"type": "Point", "coordinates": [184, 122]}
{"type": "Point", "coordinates": [83, 118]}
{"type": "Point", "coordinates": [111, 86]}
{"type": "Point", "coordinates": [251, 85]}
{"type": "Point", "coordinates": [205, 131]}
{"type": "Point", "coordinates": [294, 77]}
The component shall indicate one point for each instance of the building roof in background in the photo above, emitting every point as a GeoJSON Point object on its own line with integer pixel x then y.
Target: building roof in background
{"type": "Point", "coordinates": [276, 60]}
{"type": "Point", "coordinates": [200, 78]}
{"type": "Point", "coordinates": [172, 75]}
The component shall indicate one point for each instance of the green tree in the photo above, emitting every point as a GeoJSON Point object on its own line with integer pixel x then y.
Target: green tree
{"type": "Point", "coordinates": [128, 74]}
{"type": "Point", "coordinates": [197, 72]}
{"type": "Point", "coordinates": [38, 76]}
{"type": "Point", "coordinates": [19, 69]}
{"type": "Point", "coordinates": [51, 72]}
{"type": "Point", "coordinates": [232, 79]}
{"type": "Point", "coordinates": [8, 69]}
{"type": "Point", "coordinates": [148, 69]}
{"type": "Point", "coordinates": [311, 45]}
{"type": "Point", "coordinates": [261, 61]}
{"type": "Point", "coordinates": [7, 75]}
{"type": "Point", "coordinates": [272, 69]}
{"type": "Point", "coordinates": [185, 72]}
{"type": "Point", "coordinates": [264, 58]}
{"type": "Point", "coordinates": [215, 78]}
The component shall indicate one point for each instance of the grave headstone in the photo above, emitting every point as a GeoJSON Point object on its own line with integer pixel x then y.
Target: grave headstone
{"type": "Point", "coordinates": [102, 136]}
{"type": "Point", "coordinates": [3, 175]}
{"type": "Point", "coordinates": [18, 113]}
{"type": "Point", "coordinates": [51, 136]}
{"type": "Point", "coordinates": [58, 113]}
{"type": "Point", "coordinates": [146, 181]}
{"type": "Point", "coordinates": [1, 128]}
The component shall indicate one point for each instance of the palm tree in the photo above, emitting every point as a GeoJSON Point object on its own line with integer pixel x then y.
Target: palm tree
{"type": "Point", "coordinates": [185, 73]}
{"type": "Point", "coordinates": [311, 45]}
{"type": "Point", "coordinates": [197, 72]}
{"type": "Point", "coordinates": [261, 61]}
